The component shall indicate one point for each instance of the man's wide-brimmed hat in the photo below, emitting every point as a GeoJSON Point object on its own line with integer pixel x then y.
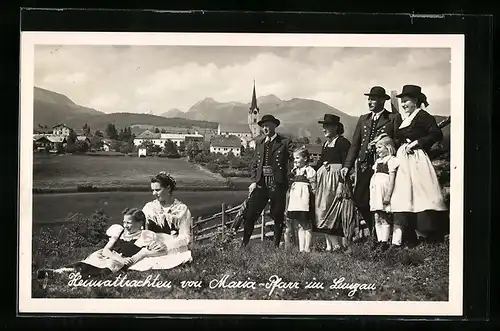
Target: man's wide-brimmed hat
{"type": "Point", "coordinates": [269, 118]}
{"type": "Point", "coordinates": [330, 119]}
{"type": "Point", "coordinates": [378, 91]}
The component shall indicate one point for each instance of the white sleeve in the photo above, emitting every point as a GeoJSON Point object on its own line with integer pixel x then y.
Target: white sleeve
{"type": "Point", "coordinates": [310, 173]}
{"type": "Point", "coordinates": [114, 231]}
{"type": "Point", "coordinates": [393, 164]}
{"type": "Point", "coordinates": [145, 238]}
{"type": "Point", "coordinates": [184, 222]}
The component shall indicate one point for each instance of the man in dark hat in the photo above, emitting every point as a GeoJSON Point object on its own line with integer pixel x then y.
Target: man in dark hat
{"type": "Point", "coordinates": [269, 174]}
{"type": "Point", "coordinates": [379, 120]}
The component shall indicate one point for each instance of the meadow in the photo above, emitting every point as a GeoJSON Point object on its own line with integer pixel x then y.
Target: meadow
{"type": "Point", "coordinates": [69, 171]}
{"type": "Point", "coordinates": [419, 274]}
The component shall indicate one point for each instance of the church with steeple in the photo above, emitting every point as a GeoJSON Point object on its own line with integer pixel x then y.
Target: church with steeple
{"type": "Point", "coordinates": [247, 134]}
{"type": "Point", "coordinates": [253, 115]}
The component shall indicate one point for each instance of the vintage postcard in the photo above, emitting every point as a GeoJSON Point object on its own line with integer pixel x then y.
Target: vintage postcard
{"type": "Point", "coordinates": [261, 174]}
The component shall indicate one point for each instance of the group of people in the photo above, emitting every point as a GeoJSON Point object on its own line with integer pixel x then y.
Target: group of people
{"type": "Point", "coordinates": [396, 188]}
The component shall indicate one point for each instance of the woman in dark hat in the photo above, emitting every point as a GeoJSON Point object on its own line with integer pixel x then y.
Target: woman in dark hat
{"type": "Point", "coordinates": [328, 177]}
{"type": "Point", "coordinates": [417, 193]}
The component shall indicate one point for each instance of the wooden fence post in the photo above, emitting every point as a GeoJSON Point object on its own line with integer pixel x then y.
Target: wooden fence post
{"type": "Point", "coordinates": [223, 217]}
{"type": "Point", "coordinates": [193, 232]}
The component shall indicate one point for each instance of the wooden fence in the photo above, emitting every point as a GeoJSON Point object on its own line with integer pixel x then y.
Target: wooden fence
{"type": "Point", "coordinates": [204, 229]}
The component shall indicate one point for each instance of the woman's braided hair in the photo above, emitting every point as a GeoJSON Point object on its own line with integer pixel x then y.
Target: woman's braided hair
{"type": "Point", "coordinates": [165, 180]}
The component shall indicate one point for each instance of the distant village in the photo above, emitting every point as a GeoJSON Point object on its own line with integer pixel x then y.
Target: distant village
{"type": "Point", "coordinates": [226, 139]}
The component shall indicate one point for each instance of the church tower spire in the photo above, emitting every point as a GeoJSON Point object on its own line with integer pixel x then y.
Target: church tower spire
{"type": "Point", "coordinates": [253, 114]}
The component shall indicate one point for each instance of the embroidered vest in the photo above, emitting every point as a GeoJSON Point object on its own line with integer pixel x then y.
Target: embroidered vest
{"type": "Point", "coordinates": [267, 153]}
{"type": "Point", "coordinates": [370, 155]}
{"type": "Point", "coordinates": [383, 168]}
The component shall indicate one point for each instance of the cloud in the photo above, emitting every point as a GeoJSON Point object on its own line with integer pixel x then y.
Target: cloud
{"type": "Point", "coordinates": [159, 78]}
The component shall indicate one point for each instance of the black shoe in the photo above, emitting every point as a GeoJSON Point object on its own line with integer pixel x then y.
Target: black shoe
{"type": "Point", "coordinates": [413, 244]}
{"type": "Point", "coordinates": [393, 248]}
{"type": "Point", "coordinates": [42, 274]}
{"type": "Point", "coordinates": [375, 245]}
{"type": "Point", "coordinates": [384, 246]}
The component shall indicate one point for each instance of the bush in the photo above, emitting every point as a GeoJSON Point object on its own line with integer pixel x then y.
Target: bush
{"type": "Point", "coordinates": [78, 232]}
{"type": "Point", "coordinates": [213, 167]}
{"type": "Point", "coordinates": [231, 172]}
{"type": "Point", "coordinates": [86, 188]}
{"type": "Point", "coordinates": [88, 231]}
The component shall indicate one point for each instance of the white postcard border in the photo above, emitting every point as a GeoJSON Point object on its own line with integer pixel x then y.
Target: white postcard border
{"type": "Point", "coordinates": [453, 307]}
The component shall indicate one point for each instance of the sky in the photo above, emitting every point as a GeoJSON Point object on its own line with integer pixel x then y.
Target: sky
{"type": "Point", "coordinates": [143, 79]}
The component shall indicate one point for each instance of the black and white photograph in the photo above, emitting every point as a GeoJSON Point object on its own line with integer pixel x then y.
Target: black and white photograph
{"type": "Point", "coordinates": [241, 173]}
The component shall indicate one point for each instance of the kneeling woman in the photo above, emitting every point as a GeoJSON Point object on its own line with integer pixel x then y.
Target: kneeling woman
{"type": "Point", "coordinates": [127, 246]}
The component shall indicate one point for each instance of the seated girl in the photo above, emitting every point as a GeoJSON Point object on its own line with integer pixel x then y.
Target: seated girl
{"type": "Point", "coordinates": [127, 249]}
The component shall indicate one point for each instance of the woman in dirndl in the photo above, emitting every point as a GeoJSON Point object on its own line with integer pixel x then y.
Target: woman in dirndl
{"type": "Point", "coordinates": [417, 198]}
{"type": "Point", "coordinates": [328, 178]}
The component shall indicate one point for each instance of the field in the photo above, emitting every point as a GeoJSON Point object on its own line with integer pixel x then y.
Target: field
{"type": "Point", "coordinates": [68, 171]}
{"type": "Point", "coordinates": [419, 274]}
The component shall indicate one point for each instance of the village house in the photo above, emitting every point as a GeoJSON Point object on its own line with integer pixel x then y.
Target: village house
{"type": "Point", "coordinates": [84, 139]}
{"type": "Point", "coordinates": [241, 131]}
{"type": "Point", "coordinates": [41, 143]}
{"type": "Point", "coordinates": [61, 130]}
{"type": "Point", "coordinates": [49, 142]}
{"type": "Point", "coordinates": [159, 139]}
{"type": "Point", "coordinates": [106, 145]}
{"type": "Point", "coordinates": [226, 144]}
{"type": "Point", "coordinates": [142, 152]}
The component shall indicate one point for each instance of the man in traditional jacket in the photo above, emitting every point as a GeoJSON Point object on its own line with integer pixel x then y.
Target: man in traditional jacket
{"type": "Point", "coordinates": [379, 120]}
{"type": "Point", "coordinates": [269, 174]}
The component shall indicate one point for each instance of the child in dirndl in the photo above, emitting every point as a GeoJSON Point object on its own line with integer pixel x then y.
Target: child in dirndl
{"type": "Point", "coordinates": [381, 188]}
{"type": "Point", "coordinates": [300, 210]}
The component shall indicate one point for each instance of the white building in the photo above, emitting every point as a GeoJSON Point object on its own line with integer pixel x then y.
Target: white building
{"type": "Point", "coordinates": [241, 131]}
{"type": "Point", "coordinates": [61, 130]}
{"type": "Point", "coordinates": [142, 152]}
{"type": "Point", "coordinates": [159, 139]}
{"type": "Point", "coordinates": [225, 144]}
{"type": "Point", "coordinates": [106, 145]}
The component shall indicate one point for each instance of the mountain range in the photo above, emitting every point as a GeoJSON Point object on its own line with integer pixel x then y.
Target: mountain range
{"type": "Point", "coordinates": [298, 116]}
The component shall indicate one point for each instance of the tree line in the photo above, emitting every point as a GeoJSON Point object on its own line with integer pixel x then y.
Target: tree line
{"type": "Point", "coordinates": [121, 140]}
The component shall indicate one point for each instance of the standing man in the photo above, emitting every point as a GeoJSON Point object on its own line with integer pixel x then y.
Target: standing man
{"type": "Point", "coordinates": [269, 175]}
{"type": "Point", "coordinates": [369, 126]}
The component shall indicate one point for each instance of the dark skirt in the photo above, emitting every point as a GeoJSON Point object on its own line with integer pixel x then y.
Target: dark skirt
{"type": "Point", "coordinates": [328, 179]}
